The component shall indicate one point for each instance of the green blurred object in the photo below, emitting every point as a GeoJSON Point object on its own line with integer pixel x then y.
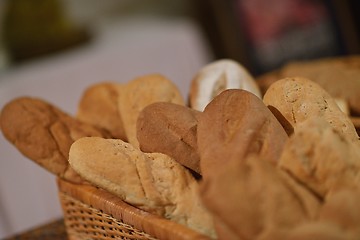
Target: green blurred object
{"type": "Point", "coordinates": [34, 28]}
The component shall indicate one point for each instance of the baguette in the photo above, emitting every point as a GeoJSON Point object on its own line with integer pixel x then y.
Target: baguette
{"type": "Point", "coordinates": [153, 182]}
{"type": "Point", "coordinates": [44, 133]}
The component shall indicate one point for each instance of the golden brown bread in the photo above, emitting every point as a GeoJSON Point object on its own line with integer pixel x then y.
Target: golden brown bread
{"type": "Point", "coordinates": [150, 181]}
{"type": "Point", "coordinates": [293, 100]}
{"type": "Point", "coordinates": [328, 164]}
{"type": "Point", "coordinates": [311, 230]}
{"type": "Point", "coordinates": [339, 76]}
{"type": "Point", "coordinates": [99, 106]}
{"type": "Point", "coordinates": [141, 92]}
{"type": "Point", "coordinates": [258, 183]}
{"type": "Point", "coordinates": [252, 197]}
{"type": "Point", "coordinates": [321, 158]}
{"type": "Point", "coordinates": [338, 219]}
{"type": "Point", "coordinates": [170, 129]}
{"type": "Point", "coordinates": [234, 124]}
{"type": "Point", "coordinates": [44, 133]}
{"type": "Point", "coordinates": [341, 208]}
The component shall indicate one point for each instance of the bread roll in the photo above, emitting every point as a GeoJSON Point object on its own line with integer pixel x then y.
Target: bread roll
{"type": "Point", "coordinates": [153, 182]}
{"type": "Point", "coordinates": [294, 100]}
{"type": "Point", "coordinates": [99, 106]}
{"type": "Point", "coordinates": [339, 76]}
{"type": "Point", "coordinates": [44, 133]}
{"type": "Point", "coordinates": [235, 124]}
{"type": "Point", "coordinates": [338, 219]}
{"type": "Point", "coordinates": [321, 158]}
{"type": "Point", "coordinates": [141, 92]}
{"type": "Point", "coordinates": [216, 77]}
{"type": "Point", "coordinates": [170, 129]}
{"type": "Point", "coordinates": [252, 197]}
{"type": "Point", "coordinates": [341, 208]}
{"type": "Point", "coordinates": [319, 230]}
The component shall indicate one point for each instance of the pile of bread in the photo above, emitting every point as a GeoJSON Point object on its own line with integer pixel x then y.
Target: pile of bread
{"type": "Point", "coordinates": [268, 158]}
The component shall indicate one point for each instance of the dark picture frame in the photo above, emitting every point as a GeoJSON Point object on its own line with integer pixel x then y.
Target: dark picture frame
{"type": "Point", "coordinates": [247, 30]}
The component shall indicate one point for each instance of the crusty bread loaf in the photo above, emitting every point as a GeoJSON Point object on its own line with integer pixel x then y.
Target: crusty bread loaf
{"type": "Point", "coordinates": [293, 100]}
{"type": "Point", "coordinates": [150, 181]}
{"type": "Point", "coordinates": [338, 219]}
{"type": "Point", "coordinates": [170, 129]}
{"type": "Point", "coordinates": [141, 92]}
{"type": "Point", "coordinates": [339, 76]}
{"type": "Point", "coordinates": [341, 207]}
{"type": "Point", "coordinates": [319, 230]}
{"type": "Point", "coordinates": [44, 133]}
{"type": "Point", "coordinates": [321, 158]}
{"type": "Point", "coordinates": [99, 106]}
{"type": "Point", "coordinates": [252, 197]}
{"type": "Point", "coordinates": [234, 124]}
{"type": "Point", "coordinates": [216, 77]}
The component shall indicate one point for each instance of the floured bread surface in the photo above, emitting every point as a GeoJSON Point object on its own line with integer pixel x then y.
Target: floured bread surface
{"type": "Point", "coordinates": [321, 157]}
{"type": "Point", "coordinates": [141, 92]}
{"type": "Point", "coordinates": [339, 76]}
{"type": "Point", "coordinates": [153, 182]}
{"type": "Point", "coordinates": [217, 77]}
{"type": "Point", "coordinates": [170, 129]}
{"type": "Point", "coordinates": [99, 106]}
{"type": "Point", "coordinates": [293, 100]}
{"type": "Point", "coordinates": [44, 133]}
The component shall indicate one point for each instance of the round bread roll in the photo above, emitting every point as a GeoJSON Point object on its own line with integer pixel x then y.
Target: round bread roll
{"type": "Point", "coordinates": [339, 76]}
{"type": "Point", "coordinates": [217, 77]}
{"type": "Point", "coordinates": [294, 100]}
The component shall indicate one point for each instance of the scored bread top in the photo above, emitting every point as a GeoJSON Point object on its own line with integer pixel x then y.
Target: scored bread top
{"type": "Point", "coordinates": [141, 92]}
{"type": "Point", "coordinates": [153, 182]}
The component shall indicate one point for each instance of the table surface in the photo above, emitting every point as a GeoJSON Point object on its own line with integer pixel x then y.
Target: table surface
{"type": "Point", "coordinates": [54, 230]}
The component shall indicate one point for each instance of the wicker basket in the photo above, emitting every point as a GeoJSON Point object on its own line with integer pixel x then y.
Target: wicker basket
{"type": "Point", "coordinates": [92, 213]}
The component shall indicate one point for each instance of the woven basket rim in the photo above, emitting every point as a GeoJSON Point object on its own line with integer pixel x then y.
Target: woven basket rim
{"type": "Point", "coordinates": [112, 205]}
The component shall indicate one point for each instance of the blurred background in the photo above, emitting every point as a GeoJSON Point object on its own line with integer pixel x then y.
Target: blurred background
{"type": "Point", "coordinates": [54, 49]}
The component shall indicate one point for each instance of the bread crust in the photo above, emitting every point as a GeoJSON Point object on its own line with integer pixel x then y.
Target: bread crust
{"type": "Point", "coordinates": [44, 133]}
{"type": "Point", "coordinates": [294, 100]}
{"type": "Point", "coordinates": [339, 76]}
{"type": "Point", "coordinates": [170, 129]}
{"type": "Point", "coordinates": [321, 158]}
{"type": "Point", "coordinates": [139, 93]}
{"type": "Point", "coordinates": [252, 197]}
{"type": "Point", "coordinates": [235, 124]}
{"type": "Point", "coordinates": [98, 106]}
{"type": "Point", "coordinates": [153, 182]}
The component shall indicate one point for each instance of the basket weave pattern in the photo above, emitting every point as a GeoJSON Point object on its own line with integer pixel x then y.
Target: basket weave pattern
{"type": "Point", "coordinates": [85, 222]}
{"type": "Point", "coordinates": [93, 213]}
